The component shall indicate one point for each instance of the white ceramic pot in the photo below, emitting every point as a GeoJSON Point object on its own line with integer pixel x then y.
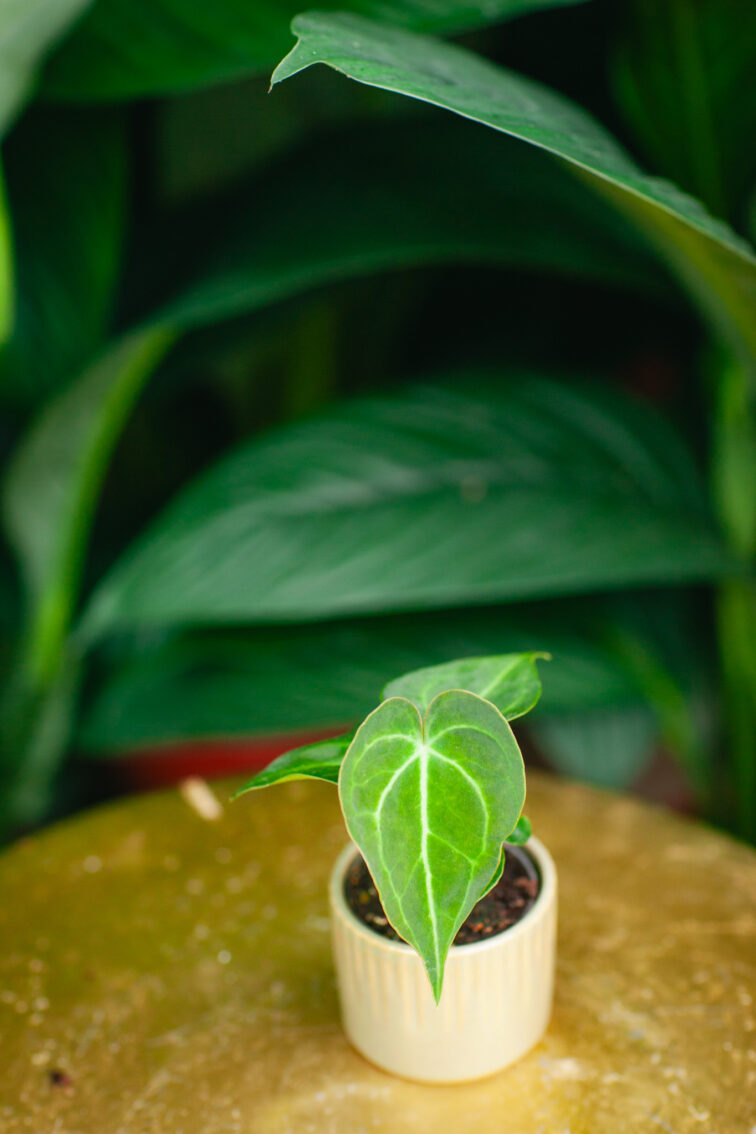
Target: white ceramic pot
{"type": "Point", "coordinates": [495, 1003]}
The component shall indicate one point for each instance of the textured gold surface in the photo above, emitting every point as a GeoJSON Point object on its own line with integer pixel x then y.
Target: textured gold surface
{"type": "Point", "coordinates": [178, 970]}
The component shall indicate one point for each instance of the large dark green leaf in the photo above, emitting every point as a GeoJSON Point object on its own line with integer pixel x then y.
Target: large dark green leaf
{"type": "Point", "coordinates": [513, 207]}
{"type": "Point", "coordinates": [429, 802]}
{"type": "Point", "coordinates": [430, 498]}
{"type": "Point", "coordinates": [717, 267]}
{"type": "Point", "coordinates": [68, 231]}
{"type": "Point", "coordinates": [53, 482]}
{"type": "Point", "coordinates": [684, 76]}
{"type": "Point", "coordinates": [27, 32]}
{"type": "Point", "coordinates": [289, 679]}
{"type": "Point", "coordinates": [126, 48]}
{"type": "Point", "coordinates": [271, 252]}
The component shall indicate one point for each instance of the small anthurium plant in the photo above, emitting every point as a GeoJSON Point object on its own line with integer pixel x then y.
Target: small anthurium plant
{"type": "Point", "coordinates": [432, 785]}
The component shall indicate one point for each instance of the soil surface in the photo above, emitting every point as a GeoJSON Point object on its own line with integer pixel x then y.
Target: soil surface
{"type": "Point", "coordinates": [510, 899]}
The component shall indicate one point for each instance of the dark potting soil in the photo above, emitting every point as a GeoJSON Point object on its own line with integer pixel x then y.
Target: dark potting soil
{"type": "Point", "coordinates": [510, 899]}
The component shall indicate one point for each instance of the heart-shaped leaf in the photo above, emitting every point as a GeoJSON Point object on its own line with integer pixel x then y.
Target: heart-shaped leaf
{"type": "Point", "coordinates": [509, 681]}
{"type": "Point", "coordinates": [429, 802]}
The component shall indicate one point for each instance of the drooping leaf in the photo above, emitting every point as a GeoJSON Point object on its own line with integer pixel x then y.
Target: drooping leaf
{"type": "Point", "coordinates": [262, 681]}
{"type": "Point", "coordinates": [716, 266]}
{"type": "Point", "coordinates": [132, 48]}
{"type": "Point", "coordinates": [27, 32]}
{"type": "Point", "coordinates": [52, 485]}
{"type": "Point", "coordinates": [609, 748]}
{"type": "Point", "coordinates": [429, 802]}
{"type": "Point", "coordinates": [431, 497]}
{"type": "Point", "coordinates": [320, 761]}
{"type": "Point", "coordinates": [508, 681]}
{"type": "Point", "coordinates": [68, 234]}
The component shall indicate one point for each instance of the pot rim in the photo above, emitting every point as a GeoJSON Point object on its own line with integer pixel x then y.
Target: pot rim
{"type": "Point", "coordinates": [543, 902]}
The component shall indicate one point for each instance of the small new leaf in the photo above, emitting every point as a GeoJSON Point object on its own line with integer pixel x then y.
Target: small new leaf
{"type": "Point", "coordinates": [429, 802]}
{"type": "Point", "coordinates": [521, 833]}
{"type": "Point", "coordinates": [508, 681]}
{"type": "Point", "coordinates": [320, 761]}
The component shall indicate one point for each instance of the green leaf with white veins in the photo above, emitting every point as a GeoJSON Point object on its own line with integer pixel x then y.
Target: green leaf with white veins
{"type": "Point", "coordinates": [429, 802]}
{"type": "Point", "coordinates": [509, 681]}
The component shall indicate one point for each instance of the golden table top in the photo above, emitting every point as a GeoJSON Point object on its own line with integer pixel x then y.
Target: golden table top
{"type": "Point", "coordinates": [172, 974]}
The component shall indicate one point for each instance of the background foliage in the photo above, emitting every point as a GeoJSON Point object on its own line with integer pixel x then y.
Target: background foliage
{"type": "Point", "coordinates": [305, 390]}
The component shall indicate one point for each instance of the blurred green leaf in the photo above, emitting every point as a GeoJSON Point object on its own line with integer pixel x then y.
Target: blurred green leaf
{"type": "Point", "coordinates": [683, 73]}
{"type": "Point", "coordinates": [513, 207]}
{"type": "Point", "coordinates": [253, 682]}
{"type": "Point", "coordinates": [27, 32]}
{"type": "Point", "coordinates": [673, 706]}
{"type": "Point", "coordinates": [736, 616]}
{"type": "Point", "coordinates": [35, 730]}
{"type": "Point", "coordinates": [717, 267]}
{"type": "Point", "coordinates": [130, 48]}
{"type": "Point", "coordinates": [431, 497]}
{"type": "Point", "coordinates": [609, 748]}
{"type": "Point", "coordinates": [268, 253]}
{"type": "Point", "coordinates": [52, 486]}
{"type": "Point", "coordinates": [7, 297]}
{"type": "Point", "coordinates": [733, 454]}
{"type": "Point", "coordinates": [69, 228]}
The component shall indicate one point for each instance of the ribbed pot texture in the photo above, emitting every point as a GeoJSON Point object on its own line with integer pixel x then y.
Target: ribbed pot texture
{"type": "Point", "coordinates": [494, 1007]}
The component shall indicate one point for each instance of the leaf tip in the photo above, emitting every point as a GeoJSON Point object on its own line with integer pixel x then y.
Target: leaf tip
{"type": "Point", "coordinates": [250, 786]}
{"type": "Point", "coordinates": [436, 978]}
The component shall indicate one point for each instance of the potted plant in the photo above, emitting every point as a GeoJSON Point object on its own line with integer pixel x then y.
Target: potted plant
{"type": "Point", "coordinates": [444, 923]}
